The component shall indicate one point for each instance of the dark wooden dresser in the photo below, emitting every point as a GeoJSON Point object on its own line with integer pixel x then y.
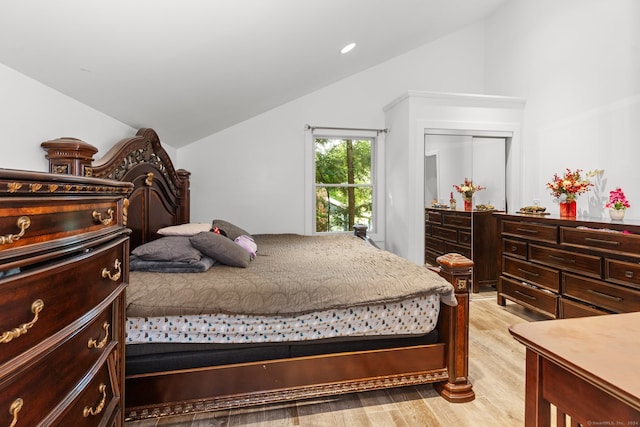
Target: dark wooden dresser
{"type": "Point", "coordinates": [569, 267]}
{"type": "Point", "coordinates": [63, 270]}
{"type": "Point", "coordinates": [473, 234]}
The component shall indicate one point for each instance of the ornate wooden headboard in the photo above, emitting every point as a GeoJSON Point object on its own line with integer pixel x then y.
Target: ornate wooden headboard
{"type": "Point", "coordinates": [160, 195]}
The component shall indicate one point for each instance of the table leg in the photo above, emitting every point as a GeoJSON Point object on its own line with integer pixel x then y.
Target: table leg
{"type": "Point", "coordinates": [537, 411]}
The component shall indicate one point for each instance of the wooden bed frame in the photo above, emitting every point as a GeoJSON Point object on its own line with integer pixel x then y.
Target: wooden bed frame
{"type": "Point", "coordinates": [161, 198]}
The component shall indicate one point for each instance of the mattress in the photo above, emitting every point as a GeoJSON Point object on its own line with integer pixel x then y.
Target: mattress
{"type": "Point", "coordinates": [414, 316]}
{"type": "Point", "coordinates": [291, 275]}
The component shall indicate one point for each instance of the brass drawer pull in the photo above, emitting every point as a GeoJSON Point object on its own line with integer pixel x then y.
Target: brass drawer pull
{"type": "Point", "coordinates": [115, 277]}
{"type": "Point", "coordinates": [23, 223]}
{"type": "Point", "coordinates": [36, 308]}
{"type": "Point", "coordinates": [15, 407]}
{"type": "Point", "coordinates": [606, 242]}
{"type": "Point", "coordinates": [93, 343]}
{"type": "Point", "coordinates": [526, 295]}
{"type": "Point", "coordinates": [531, 273]}
{"type": "Point", "coordinates": [91, 411]}
{"type": "Point", "coordinates": [601, 294]}
{"type": "Point", "coordinates": [514, 248]}
{"type": "Point", "coordinates": [628, 274]}
{"type": "Point", "coordinates": [527, 230]}
{"type": "Point", "coordinates": [106, 221]}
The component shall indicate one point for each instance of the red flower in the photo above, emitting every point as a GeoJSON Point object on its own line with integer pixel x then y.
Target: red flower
{"type": "Point", "coordinates": [571, 184]}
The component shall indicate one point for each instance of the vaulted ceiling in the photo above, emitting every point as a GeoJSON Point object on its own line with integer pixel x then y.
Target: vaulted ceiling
{"type": "Point", "coordinates": [190, 68]}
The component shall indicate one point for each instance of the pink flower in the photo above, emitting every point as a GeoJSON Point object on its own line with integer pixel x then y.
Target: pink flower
{"type": "Point", "coordinates": [617, 200]}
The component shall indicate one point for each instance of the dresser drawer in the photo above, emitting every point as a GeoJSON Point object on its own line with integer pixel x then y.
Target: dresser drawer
{"type": "Point", "coordinates": [610, 297]}
{"type": "Point", "coordinates": [589, 265]}
{"type": "Point", "coordinates": [458, 249]}
{"type": "Point", "coordinates": [434, 245]}
{"type": "Point", "coordinates": [428, 229]}
{"type": "Point", "coordinates": [25, 221]}
{"type": "Point", "coordinates": [534, 274]}
{"type": "Point", "coordinates": [530, 231]}
{"type": "Point", "coordinates": [454, 220]}
{"type": "Point", "coordinates": [515, 248]}
{"type": "Point", "coordinates": [536, 299]}
{"type": "Point", "coordinates": [570, 309]}
{"type": "Point", "coordinates": [624, 273]}
{"type": "Point", "coordinates": [464, 238]}
{"type": "Point", "coordinates": [47, 382]}
{"type": "Point", "coordinates": [445, 233]}
{"type": "Point", "coordinates": [98, 403]}
{"type": "Point", "coordinates": [44, 301]}
{"type": "Point", "coordinates": [434, 217]}
{"type": "Point", "coordinates": [603, 240]}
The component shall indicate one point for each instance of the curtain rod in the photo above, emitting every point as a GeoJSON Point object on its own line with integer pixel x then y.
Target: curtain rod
{"type": "Point", "coordinates": [312, 128]}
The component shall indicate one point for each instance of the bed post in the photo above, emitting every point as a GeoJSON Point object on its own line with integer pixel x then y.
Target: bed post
{"type": "Point", "coordinates": [454, 329]}
{"type": "Point", "coordinates": [360, 230]}
{"type": "Point", "coordinates": [69, 156]}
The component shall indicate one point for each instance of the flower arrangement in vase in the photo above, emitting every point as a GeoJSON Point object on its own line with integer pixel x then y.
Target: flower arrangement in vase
{"type": "Point", "coordinates": [467, 189]}
{"type": "Point", "coordinates": [566, 188]}
{"type": "Point", "coordinates": [617, 204]}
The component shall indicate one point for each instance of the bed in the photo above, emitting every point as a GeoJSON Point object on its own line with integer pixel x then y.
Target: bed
{"type": "Point", "coordinates": [277, 338]}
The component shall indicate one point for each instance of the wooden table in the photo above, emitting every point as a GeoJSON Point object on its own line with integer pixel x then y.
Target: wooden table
{"type": "Point", "coordinates": [588, 368]}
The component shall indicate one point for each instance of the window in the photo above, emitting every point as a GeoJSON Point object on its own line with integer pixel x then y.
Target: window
{"type": "Point", "coordinates": [344, 183]}
{"type": "Point", "coordinates": [344, 188]}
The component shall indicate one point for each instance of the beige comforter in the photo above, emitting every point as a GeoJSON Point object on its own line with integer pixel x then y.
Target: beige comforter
{"type": "Point", "coordinates": [291, 274]}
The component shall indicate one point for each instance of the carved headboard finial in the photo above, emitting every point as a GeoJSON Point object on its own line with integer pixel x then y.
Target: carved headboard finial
{"type": "Point", "coordinates": [69, 156]}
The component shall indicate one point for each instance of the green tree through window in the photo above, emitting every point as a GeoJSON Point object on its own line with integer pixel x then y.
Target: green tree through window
{"type": "Point", "coordinates": [344, 189]}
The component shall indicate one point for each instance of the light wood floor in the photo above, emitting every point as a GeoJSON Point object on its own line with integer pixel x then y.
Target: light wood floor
{"type": "Point", "coordinates": [496, 370]}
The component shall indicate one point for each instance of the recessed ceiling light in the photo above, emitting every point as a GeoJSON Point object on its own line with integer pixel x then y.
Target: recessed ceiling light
{"type": "Point", "coordinates": [348, 48]}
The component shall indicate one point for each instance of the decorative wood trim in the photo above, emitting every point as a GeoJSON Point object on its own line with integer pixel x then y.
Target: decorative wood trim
{"type": "Point", "coordinates": [144, 148]}
{"type": "Point", "coordinates": [268, 397]}
{"type": "Point", "coordinates": [31, 188]}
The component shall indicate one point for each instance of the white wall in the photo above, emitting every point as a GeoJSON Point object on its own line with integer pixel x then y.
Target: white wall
{"type": "Point", "coordinates": [577, 63]}
{"type": "Point", "coordinates": [31, 113]}
{"type": "Point", "coordinates": [253, 173]}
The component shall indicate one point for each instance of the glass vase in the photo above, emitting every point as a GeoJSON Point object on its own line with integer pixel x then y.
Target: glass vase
{"type": "Point", "coordinates": [568, 209]}
{"type": "Point", "coordinates": [468, 204]}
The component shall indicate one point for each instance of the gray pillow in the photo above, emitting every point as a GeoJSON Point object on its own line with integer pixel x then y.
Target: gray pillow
{"type": "Point", "coordinates": [169, 248]}
{"type": "Point", "coordinates": [233, 231]}
{"type": "Point", "coordinates": [138, 264]}
{"type": "Point", "coordinates": [221, 248]}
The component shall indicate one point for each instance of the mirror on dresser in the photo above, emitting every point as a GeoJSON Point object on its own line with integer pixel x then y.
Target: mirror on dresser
{"type": "Point", "coordinates": [450, 157]}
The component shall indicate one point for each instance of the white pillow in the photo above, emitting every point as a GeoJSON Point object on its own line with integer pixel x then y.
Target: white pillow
{"type": "Point", "coordinates": [190, 229]}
